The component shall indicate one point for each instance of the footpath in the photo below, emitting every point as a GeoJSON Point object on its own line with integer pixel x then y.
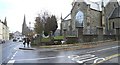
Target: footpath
{"type": "Point", "coordinates": [75, 46]}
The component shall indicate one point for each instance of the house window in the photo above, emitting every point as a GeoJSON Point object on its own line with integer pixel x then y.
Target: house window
{"type": "Point", "coordinates": [113, 25]}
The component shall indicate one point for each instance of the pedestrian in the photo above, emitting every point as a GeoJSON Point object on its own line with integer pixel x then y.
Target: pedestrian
{"type": "Point", "coordinates": [24, 41]}
{"type": "Point", "coordinates": [28, 42]}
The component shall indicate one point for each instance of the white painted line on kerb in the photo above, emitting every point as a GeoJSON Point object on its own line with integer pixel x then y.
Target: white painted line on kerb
{"type": "Point", "coordinates": [40, 58]}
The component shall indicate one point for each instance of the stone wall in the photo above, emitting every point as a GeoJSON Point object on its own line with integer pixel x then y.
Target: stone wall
{"type": "Point", "coordinates": [90, 38]}
{"type": "Point", "coordinates": [93, 38]}
{"type": "Point", "coordinates": [93, 21]}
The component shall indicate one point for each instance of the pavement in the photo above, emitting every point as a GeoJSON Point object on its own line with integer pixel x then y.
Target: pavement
{"type": "Point", "coordinates": [0, 53]}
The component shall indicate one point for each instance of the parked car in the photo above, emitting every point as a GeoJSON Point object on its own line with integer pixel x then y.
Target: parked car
{"type": "Point", "coordinates": [20, 40]}
{"type": "Point", "coordinates": [14, 40]}
{"type": "Point", "coordinates": [2, 41]}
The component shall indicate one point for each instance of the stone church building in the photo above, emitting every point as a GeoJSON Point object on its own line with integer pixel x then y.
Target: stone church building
{"type": "Point", "coordinates": [91, 19]}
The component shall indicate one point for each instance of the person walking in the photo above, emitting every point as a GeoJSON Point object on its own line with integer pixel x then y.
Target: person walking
{"type": "Point", "coordinates": [24, 41]}
{"type": "Point", "coordinates": [28, 42]}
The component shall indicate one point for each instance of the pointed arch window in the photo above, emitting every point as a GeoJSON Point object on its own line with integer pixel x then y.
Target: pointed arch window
{"type": "Point", "coordinates": [79, 19]}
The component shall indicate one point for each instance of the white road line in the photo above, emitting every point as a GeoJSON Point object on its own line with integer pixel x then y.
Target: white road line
{"type": "Point", "coordinates": [107, 48]}
{"type": "Point", "coordinates": [103, 49]}
{"type": "Point", "coordinates": [40, 58]}
{"type": "Point", "coordinates": [85, 55]}
{"type": "Point", "coordinates": [16, 48]}
{"type": "Point", "coordinates": [83, 58]}
{"type": "Point", "coordinates": [82, 61]}
{"type": "Point", "coordinates": [91, 52]}
{"type": "Point", "coordinates": [11, 61]}
{"type": "Point", "coordinates": [96, 60]}
{"type": "Point", "coordinates": [115, 47]}
{"type": "Point", "coordinates": [76, 56]}
{"type": "Point", "coordinates": [14, 55]}
{"type": "Point", "coordinates": [72, 56]}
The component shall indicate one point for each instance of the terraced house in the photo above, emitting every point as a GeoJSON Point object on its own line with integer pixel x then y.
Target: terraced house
{"type": "Point", "coordinates": [92, 17]}
{"type": "Point", "coordinates": [4, 31]}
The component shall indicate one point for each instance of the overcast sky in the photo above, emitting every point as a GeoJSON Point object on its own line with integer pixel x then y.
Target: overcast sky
{"type": "Point", "coordinates": [14, 10]}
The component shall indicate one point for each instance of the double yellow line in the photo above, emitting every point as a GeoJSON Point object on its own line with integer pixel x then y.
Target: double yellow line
{"type": "Point", "coordinates": [107, 58]}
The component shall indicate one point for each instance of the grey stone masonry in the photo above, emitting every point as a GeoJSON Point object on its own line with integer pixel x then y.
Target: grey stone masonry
{"type": "Point", "coordinates": [80, 34]}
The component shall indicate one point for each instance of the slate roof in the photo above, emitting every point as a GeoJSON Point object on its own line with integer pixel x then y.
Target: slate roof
{"type": "Point", "coordinates": [116, 13]}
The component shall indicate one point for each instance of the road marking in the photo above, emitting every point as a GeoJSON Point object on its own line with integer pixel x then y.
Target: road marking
{"type": "Point", "coordinates": [95, 61]}
{"type": "Point", "coordinates": [76, 56]}
{"type": "Point", "coordinates": [103, 49]}
{"type": "Point", "coordinates": [72, 56]}
{"type": "Point", "coordinates": [14, 55]}
{"type": "Point", "coordinates": [115, 47]}
{"type": "Point", "coordinates": [108, 48]}
{"type": "Point", "coordinates": [91, 52]}
{"type": "Point", "coordinates": [82, 58]}
{"type": "Point", "coordinates": [17, 47]}
{"type": "Point", "coordinates": [82, 61]}
{"type": "Point", "coordinates": [107, 58]}
{"type": "Point", "coordinates": [40, 58]}
{"type": "Point", "coordinates": [11, 61]}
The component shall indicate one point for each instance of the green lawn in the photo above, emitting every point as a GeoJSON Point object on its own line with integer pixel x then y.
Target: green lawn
{"type": "Point", "coordinates": [45, 39]}
{"type": "Point", "coordinates": [71, 36]}
{"type": "Point", "coordinates": [59, 37]}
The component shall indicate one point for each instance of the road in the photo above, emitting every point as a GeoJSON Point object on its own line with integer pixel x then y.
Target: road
{"type": "Point", "coordinates": [8, 49]}
{"type": "Point", "coordinates": [12, 54]}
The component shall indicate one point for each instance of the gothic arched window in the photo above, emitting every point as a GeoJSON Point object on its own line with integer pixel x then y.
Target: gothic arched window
{"type": "Point", "coordinates": [79, 18]}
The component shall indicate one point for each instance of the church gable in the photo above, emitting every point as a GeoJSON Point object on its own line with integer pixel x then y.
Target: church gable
{"type": "Point", "coordinates": [110, 6]}
{"type": "Point", "coordinates": [116, 13]}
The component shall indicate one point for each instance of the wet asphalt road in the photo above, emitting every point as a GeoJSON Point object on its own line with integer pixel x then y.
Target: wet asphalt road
{"type": "Point", "coordinates": [12, 53]}
{"type": "Point", "coordinates": [8, 49]}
